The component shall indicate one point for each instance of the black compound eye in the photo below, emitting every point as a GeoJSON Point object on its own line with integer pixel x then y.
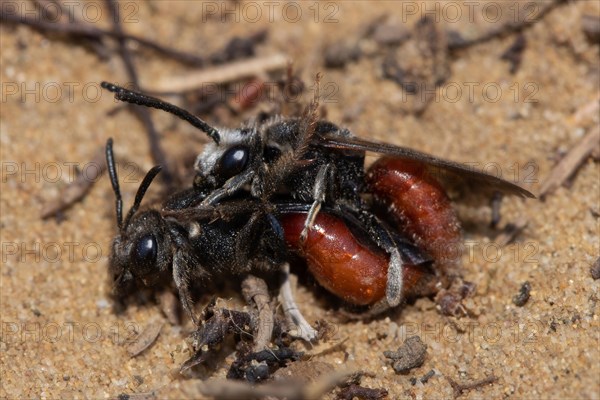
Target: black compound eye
{"type": "Point", "coordinates": [144, 254]}
{"type": "Point", "coordinates": [233, 161]}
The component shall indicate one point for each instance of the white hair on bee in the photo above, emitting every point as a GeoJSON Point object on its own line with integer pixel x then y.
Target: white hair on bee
{"type": "Point", "coordinates": [212, 152]}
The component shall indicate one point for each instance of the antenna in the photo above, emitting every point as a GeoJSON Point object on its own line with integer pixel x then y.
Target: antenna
{"type": "Point", "coordinates": [112, 171]}
{"type": "Point", "coordinates": [141, 192]}
{"type": "Point", "coordinates": [129, 96]}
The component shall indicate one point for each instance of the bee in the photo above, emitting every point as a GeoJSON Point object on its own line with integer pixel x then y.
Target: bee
{"type": "Point", "coordinates": [198, 245]}
{"type": "Point", "coordinates": [320, 165]}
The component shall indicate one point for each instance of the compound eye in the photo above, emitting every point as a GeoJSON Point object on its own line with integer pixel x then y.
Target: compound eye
{"type": "Point", "coordinates": [233, 161]}
{"type": "Point", "coordinates": [144, 255]}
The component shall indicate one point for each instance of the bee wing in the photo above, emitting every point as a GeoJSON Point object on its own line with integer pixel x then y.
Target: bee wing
{"type": "Point", "coordinates": [445, 169]}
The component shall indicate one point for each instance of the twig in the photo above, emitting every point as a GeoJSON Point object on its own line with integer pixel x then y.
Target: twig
{"type": "Point", "coordinates": [143, 113]}
{"type": "Point", "coordinates": [514, 53]}
{"type": "Point", "coordinates": [459, 388]}
{"type": "Point", "coordinates": [66, 13]}
{"type": "Point", "coordinates": [137, 396]}
{"type": "Point", "coordinates": [218, 75]}
{"type": "Point", "coordinates": [571, 162]}
{"type": "Point", "coordinates": [456, 41]}
{"type": "Point", "coordinates": [89, 31]}
{"type": "Point", "coordinates": [76, 190]}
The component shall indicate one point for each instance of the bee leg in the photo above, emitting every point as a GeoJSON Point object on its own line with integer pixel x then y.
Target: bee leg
{"type": "Point", "coordinates": [384, 239]}
{"type": "Point", "coordinates": [290, 309]}
{"type": "Point", "coordinates": [255, 291]}
{"type": "Point", "coordinates": [230, 187]}
{"type": "Point", "coordinates": [393, 290]}
{"type": "Point", "coordinates": [324, 176]}
{"type": "Point", "coordinates": [182, 282]}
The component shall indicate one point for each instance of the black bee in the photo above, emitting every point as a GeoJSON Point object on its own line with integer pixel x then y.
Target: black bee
{"type": "Point", "coordinates": [197, 245]}
{"type": "Point", "coordinates": [317, 163]}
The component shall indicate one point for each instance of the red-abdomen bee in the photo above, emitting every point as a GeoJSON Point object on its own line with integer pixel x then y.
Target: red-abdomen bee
{"type": "Point", "coordinates": [321, 165]}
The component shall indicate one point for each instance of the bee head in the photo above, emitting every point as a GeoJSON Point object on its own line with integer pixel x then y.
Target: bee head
{"type": "Point", "coordinates": [141, 249]}
{"type": "Point", "coordinates": [221, 161]}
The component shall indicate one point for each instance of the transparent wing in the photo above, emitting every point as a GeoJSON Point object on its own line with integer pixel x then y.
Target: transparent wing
{"type": "Point", "coordinates": [448, 171]}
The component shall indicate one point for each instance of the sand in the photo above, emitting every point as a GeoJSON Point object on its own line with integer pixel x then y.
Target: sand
{"type": "Point", "coordinates": [60, 337]}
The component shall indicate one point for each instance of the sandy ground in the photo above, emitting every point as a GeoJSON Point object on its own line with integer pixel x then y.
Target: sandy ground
{"type": "Point", "coordinates": [60, 338]}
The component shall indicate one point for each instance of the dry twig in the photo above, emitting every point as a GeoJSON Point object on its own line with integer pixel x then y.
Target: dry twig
{"type": "Point", "coordinates": [459, 388]}
{"type": "Point", "coordinates": [221, 74]}
{"type": "Point", "coordinates": [571, 162]}
{"type": "Point", "coordinates": [76, 190]}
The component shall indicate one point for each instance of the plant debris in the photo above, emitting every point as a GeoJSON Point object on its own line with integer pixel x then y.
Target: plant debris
{"type": "Point", "coordinates": [571, 162]}
{"type": "Point", "coordinates": [76, 190]}
{"type": "Point", "coordinates": [521, 299]}
{"type": "Point", "coordinates": [355, 391]}
{"type": "Point", "coordinates": [408, 356]}
{"type": "Point", "coordinates": [514, 54]}
{"type": "Point", "coordinates": [460, 388]}
{"type": "Point", "coordinates": [225, 73]}
{"type": "Point", "coordinates": [421, 64]}
{"type": "Point", "coordinates": [449, 301]}
{"type": "Point", "coordinates": [259, 366]}
{"type": "Point", "coordinates": [595, 270]}
{"type": "Point", "coordinates": [145, 339]}
{"type": "Point", "coordinates": [217, 324]}
{"type": "Point", "coordinates": [424, 379]}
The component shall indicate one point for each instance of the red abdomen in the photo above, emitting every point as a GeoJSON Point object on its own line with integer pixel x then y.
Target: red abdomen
{"type": "Point", "coordinates": [347, 268]}
{"type": "Point", "coordinates": [337, 260]}
{"type": "Point", "coordinates": [420, 208]}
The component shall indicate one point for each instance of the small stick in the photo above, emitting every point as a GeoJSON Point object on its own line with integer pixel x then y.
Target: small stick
{"type": "Point", "coordinates": [571, 162]}
{"type": "Point", "coordinates": [459, 388]}
{"type": "Point", "coordinates": [67, 16]}
{"type": "Point", "coordinates": [158, 155]}
{"type": "Point", "coordinates": [94, 32]}
{"type": "Point", "coordinates": [226, 73]}
{"type": "Point", "coordinates": [519, 25]}
{"type": "Point", "coordinates": [76, 190]}
{"type": "Point", "coordinates": [137, 396]}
